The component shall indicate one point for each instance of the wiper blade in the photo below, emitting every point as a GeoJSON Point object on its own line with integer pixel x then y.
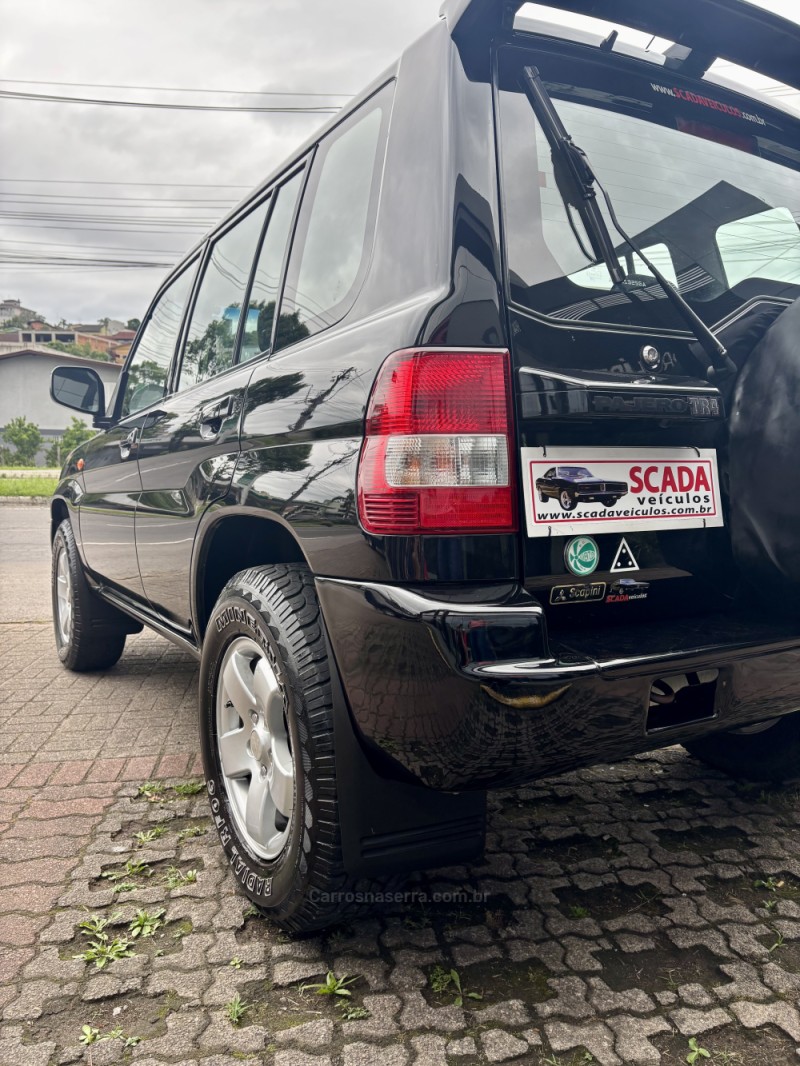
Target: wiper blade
{"type": "Point", "coordinates": [577, 183]}
{"type": "Point", "coordinates": [574, 176]}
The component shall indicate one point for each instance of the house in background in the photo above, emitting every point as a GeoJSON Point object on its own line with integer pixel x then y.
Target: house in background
{"type": "Point", "coordinates": [37, 334]}
{"type": "Point", "coordinates": [25, 386]}
{"type": "Point", "coordinates": [106, 327]}
{"type": "Point", "coordinates": [123, 339]}
{"type": "Point", "coordinates": [13, 309]}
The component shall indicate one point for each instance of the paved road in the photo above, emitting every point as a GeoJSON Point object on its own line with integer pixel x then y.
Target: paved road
{"type": "Point", "coordinates": [24, 563]}
{"type": "Point", "coordinates": [620, 911]}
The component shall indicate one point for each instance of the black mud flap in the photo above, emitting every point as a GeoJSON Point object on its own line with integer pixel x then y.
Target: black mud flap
{"type": "Point", "coordinates": [764, 465]}
{"type": "Point", "coordinates": [396, 827]}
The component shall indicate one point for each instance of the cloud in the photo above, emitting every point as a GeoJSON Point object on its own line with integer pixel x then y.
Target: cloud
{"type": "Point", "coordinates": [283, 45]}
{"type": "Point", "coordinates": [315, 46]}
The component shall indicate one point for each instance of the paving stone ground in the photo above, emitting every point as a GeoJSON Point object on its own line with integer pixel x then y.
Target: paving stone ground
{"type": "Point", "coordinates": [620, 911]}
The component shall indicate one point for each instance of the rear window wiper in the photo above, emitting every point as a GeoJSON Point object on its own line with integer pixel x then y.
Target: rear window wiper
{"type": "Point", "coordinates": [576, 183]}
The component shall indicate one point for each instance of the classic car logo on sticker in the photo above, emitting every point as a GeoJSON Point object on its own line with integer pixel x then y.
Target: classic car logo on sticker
{"type": "Point", "coordinates": [627, 589]}
{"type": "Point", "coordinates": [570, 491]}
{"type": "Point", "coordinates": [582, 556]}
{"type": "Point", "coordinates": [586, 593]}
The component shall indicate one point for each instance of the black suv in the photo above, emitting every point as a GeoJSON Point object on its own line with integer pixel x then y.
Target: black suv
{"type": "Point", "coordinates": [318, 471]}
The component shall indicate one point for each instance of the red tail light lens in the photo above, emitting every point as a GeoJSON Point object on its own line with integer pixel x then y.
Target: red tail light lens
{"type": "Point", "coordinates": [437, 456]}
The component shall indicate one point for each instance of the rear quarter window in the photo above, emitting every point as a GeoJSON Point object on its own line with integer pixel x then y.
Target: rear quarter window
{"type": "Point", "coordinates": [336, 224]}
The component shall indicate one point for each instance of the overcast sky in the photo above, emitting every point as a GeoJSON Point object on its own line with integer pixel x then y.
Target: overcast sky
{"type": "Point", "coordinates": [316, 46]}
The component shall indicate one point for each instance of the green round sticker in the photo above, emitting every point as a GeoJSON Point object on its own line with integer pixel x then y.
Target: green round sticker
{"type": "Point", "coordinates": [582, 555]}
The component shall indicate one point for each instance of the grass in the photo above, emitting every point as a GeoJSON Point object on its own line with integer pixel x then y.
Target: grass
{"type": "Point", "coordinates": [332, 985]}
{"type": "Point", "coordinates": [148, 835]}
{"type": "Point", "coordinates": [191, 831]}
{"type": "Point", "coordinates": [188, 788]}
{"type": "Point", "coordinates": [102, 951]}
{"type": "Point", "coordinates": [236, 1009]}
{"type": "Point", "coordinates": [150, 789]}
{"type": "Point", "coordinates": [27, 486]}
{"type": "Point", "coordinates": [145, 923]}
{"type": "Point", "coordinates": [449, 982]}
{"type": "Point", "coordinates": [176, 878]}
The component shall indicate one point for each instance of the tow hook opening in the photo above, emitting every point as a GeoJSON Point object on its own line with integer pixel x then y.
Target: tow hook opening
{"type": "Point", "coordinates": [682, 698]}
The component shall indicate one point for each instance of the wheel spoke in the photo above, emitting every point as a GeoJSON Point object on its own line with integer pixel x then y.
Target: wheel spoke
{"type": "Point", "coordinates": [234, 756]}
{"type": "Point", "coordinates": [238, 681]}
{"type": "Point", "coordinates": [267, 693]}
{"type": "Point", "coordinates": [63, 590]}
{"type": "Point", "coordinates": [282, 777]}
{"type": "Point", "coordinates": [257, 809]}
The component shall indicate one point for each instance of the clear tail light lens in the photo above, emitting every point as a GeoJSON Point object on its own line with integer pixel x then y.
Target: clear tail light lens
{"type": "Point", "coordinates": [436, 458]}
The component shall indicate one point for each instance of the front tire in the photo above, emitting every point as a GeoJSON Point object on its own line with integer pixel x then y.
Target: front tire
{"type": "Point", "coordinates": [543, 498]}
{"type": "Point", "coordinates": [86, 636]}
{"type": "Point", "coordinates": [771, 755]}
{"type": "Point", "coordinates": [567, 500]}
{"type": "Point", "coordinates": [266, 720]}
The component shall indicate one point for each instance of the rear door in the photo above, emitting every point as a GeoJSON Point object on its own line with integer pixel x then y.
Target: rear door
{"type": "Point", "coordinates": [621, 432]}
{"type": "Point", "coordinates": [190, 445]}
{"type": "Point", "coordinates": [111, 474]}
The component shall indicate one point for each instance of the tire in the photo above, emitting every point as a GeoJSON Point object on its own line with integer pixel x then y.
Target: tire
{"type": "Point", "coordinates": [610, 503]}
{"type": "Point", "coordinates": [543, 498]}
{"type": "Point", "coordinates": [88, 635]}
{"type": "Point", "coordinates": [288, 860]}
{"type": "Point", "coordinates": [567, 500]}
{"type": "Point", "coordinates": [771, 755]}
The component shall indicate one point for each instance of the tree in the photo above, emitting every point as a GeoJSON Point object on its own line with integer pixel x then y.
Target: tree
{"type": "Point", "coordinates": [76, 433]}
{"type": "Point", "coordinates": [25, 438]}
{"type": "Point", "coordinates": [20, 321]}
{"type": "Point", "coordinates": [134, 323]}
{"type": "Point", "coordinates": [85, 350]}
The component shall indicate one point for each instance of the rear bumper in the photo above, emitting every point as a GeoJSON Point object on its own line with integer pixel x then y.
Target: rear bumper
{"type": "Point", "coordinates": [465, 691]}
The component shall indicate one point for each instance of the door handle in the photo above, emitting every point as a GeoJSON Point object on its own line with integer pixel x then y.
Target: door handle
{"type": "Point", "coordinates": [127, 445]}
{"type": "Point", "coordinates": [215, 412]}
{"type": "Point", "coordinates": [212, 417]}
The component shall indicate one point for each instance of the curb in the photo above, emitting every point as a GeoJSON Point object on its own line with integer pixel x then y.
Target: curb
{"type": "Point", "coordinates": [11, 474]}
{"type": "Point", "coordinates": [34, 501]}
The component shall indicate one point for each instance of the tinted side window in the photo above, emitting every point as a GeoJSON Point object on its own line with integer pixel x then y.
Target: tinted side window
{"type": "Point", "coordinates": [214, 322]}
{"type": "Point", "coordinates": [149, 367]}
{"type": "Point", "coordinates": [257, 336]}
{"type": "Point", "coordinates": [332, 244]}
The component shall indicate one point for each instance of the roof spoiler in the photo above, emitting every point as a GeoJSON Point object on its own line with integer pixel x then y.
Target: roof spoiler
{"type": "Point", "coordinates": [704, 30]}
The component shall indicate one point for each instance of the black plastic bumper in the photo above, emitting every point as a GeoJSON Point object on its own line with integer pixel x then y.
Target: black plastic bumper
{"type": "Point", "coordinates": [463, 689]}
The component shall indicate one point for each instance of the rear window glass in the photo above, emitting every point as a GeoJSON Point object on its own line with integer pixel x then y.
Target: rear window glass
{"type": "Point", "coordinates": [709, 192]}
{"type": "Point", "coordinates": [334, 231]}
{"type": "Point", "coordinates": [264, 294]}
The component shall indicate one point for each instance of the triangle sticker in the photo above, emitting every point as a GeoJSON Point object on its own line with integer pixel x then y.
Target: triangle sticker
{"type": "Point", "coordinates": [624, 559]}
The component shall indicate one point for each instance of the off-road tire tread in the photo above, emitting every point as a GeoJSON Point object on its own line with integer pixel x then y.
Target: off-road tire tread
{"type": "Point", "coordinates": [285, 599]}
{"type": "Point", "coordinates": [95, 643]}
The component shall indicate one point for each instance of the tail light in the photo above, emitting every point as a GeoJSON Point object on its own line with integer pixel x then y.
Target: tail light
{"type": "Point", "coordinates": [437, 457]}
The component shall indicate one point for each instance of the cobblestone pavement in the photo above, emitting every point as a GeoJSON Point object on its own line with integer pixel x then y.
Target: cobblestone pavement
{"type": "Point", "coordinates": [620, 912]}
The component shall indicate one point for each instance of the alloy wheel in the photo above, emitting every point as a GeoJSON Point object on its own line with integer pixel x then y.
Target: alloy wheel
{"type": "Point", "coordinates": [64, 596]}
{"type": "Point", "coordinates": [254, 748]}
